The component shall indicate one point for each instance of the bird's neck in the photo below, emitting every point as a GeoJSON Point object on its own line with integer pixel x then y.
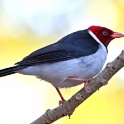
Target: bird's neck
{"type": "Point", "coordinates": [97, 40]}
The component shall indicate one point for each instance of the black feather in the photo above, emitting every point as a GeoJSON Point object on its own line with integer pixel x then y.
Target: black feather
{"type": "Point", "coordinates": [10, 70]}
{"type": "Point", "coordinates": [74, 45]}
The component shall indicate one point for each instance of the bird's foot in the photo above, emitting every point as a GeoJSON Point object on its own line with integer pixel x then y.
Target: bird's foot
{"type": "Point", "coordinates": [86, 87]}
{"type": "Point", "coordinates": [61, 102]}
{"type": "Point", "coordinates": [62, 99]}
{"type": "Point", "coordinates": [85, 81]}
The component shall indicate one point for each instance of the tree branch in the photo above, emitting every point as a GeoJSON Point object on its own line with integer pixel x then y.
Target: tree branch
{"type": "Point", "coordinates": [69, 106]}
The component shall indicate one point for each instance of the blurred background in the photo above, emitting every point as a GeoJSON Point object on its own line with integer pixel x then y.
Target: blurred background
{"type": "Point", "coordinates": [27, 25]}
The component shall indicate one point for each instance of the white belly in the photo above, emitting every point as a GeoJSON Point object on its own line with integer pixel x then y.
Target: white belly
{"type": "Point", "coordinates": [56, 73]}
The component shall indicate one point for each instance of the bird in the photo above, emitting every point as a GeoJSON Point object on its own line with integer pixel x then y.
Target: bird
{"type": "Point", "coordinates": [74, 59]}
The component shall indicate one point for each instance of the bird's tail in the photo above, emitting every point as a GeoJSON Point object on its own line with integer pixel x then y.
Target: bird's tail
{"type": "Point", "coordinates": [10, 70]}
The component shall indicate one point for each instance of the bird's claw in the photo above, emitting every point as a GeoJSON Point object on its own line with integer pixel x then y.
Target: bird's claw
{"type": "Point", "coordinates": [61, 102]}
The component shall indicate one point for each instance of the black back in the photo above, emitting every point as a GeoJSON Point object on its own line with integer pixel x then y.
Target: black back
{"type": "Point", "coordinates": [72, 46]}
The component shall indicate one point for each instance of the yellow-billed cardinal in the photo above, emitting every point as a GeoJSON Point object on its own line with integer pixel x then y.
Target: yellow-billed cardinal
{"type": "Point", "coordinates": [74, 59]}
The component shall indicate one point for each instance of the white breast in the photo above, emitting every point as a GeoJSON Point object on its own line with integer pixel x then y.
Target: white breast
{"type": "Point", "coordinates": [56, 73]}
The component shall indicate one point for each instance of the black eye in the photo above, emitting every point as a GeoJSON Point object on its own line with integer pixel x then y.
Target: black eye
{"type": "Point", "coordinates": [105, 33]}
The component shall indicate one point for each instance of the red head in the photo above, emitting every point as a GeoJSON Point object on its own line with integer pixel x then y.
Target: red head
{"type": "Point", "coordinates": [105, 35]}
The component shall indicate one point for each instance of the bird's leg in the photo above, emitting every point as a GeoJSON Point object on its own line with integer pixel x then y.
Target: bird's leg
{"type": "Point", "coordinates": [62, 99]}
{"type": "Point", "coordinates": [85, 81]}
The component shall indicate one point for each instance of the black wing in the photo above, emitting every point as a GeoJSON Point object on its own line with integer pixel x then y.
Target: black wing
{"type": "Point", "coordinates": [71, 46]}
{"type": "Point", "coordinates": [49, 57]}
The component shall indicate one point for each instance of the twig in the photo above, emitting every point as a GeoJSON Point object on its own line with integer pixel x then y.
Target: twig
{"type": "Point", "coordinates": [69, 106]}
